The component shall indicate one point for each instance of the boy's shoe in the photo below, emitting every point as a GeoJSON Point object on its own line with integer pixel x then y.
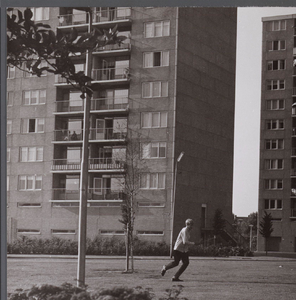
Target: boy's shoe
{"type": "Point", "coordinates": [163, 270]}
{"type": "Point", "coordinates": [176, 279]}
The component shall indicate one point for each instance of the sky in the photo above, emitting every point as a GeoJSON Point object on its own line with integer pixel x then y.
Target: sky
{"type": "Point", "coordinates": [247, 111]}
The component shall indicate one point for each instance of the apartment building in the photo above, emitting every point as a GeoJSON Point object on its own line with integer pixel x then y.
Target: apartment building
{"type": "Point", "coordinates": [171, 83]}
{"type": "Point", "coordinates": [277, 187]}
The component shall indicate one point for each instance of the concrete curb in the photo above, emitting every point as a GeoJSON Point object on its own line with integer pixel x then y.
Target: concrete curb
{"type": "Point", "coordinates": [97, 257]}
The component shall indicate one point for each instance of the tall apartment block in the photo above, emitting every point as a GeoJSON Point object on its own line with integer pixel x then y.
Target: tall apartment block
{"type": "Point", "coordinates": [277, 187]}
{"type": "Point", "coordinates": [171, 83]}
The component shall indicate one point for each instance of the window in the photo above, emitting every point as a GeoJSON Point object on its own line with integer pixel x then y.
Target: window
{"type": "Point", "coordinates": [156, 59]}
{"type": "Point", "coordinates": [276, 45]}
{"type": "Point", "coordinates": [8, 155]}
{"type": "Point", "coordinates": [9, 126]}
{"type": "Point", "coordinates": [273, 204]}
{"type": "Point", "coordinates": [274, 164]}
{"type": "Point", "coordinates": [274, 124]}
{"type": "Point", "coordinates": [278, 25]}
{"type": "Point", "coordinates": [275, 85]}
{"type": "Point", "coordinates": [34, 97]}
{"type": "Point", "coordinates": [30, 154]}
{"type": "Point", "coordinates": [40, 13]}
{"type": "Point", "coordinates": [28, 205]}
{"type": "Point", "coordinates": [277, 104]}
{"type": "Point", "coordinates": [9, 100]}
{"type": "Point", "coordinates": [63, 231]}
{"type": "Point", "coordinates": [111, 232]}
{"type": "Point", "coordinates": [32, 125]}
{"type": "Point", "coordinates": [152, 181]}
{"type": "Point", "coordinates": [155, 89]}
{"type": "Point", "coordinates": [30, 182]}
{"type": "Point", "coordinates": [157, 29]}
{"type": "Point", "coordinates": [10, 72]}
{"type": "Point", "coordinates": [273, 184]}
{"type": "Point", "coordinates": [28, 231]}
{"type": "Point", "coordinates": [150, 204]}
{"type": "Point", "coordinates": [149, 232]}
{"type": "Point", "coordinates": [154, 150]}
{"type": "Point", "coordinates": [276, 65]}
{"type": "Point", "coordinates": [154, 119]}
{"type": "Point", "coordinates": [274, 144]}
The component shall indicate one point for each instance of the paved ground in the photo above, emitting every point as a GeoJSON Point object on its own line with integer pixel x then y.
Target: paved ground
{"type": "Point", "coordinates": [254, 278]}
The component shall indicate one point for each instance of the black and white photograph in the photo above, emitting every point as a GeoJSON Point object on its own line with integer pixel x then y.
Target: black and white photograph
{"type": "Point", "coordinates": [150, 152]}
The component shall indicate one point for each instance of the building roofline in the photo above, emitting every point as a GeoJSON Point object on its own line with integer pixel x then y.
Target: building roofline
{"type": "Point", "coordinates": [274, 18]}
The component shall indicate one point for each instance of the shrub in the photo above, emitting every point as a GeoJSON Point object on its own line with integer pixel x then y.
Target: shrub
{"type": "Point", "coordinates": [69, 292]}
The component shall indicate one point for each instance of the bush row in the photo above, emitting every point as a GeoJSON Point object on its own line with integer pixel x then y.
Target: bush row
{"type": "Point", "coordinates": [97, 246]}
{"type": "Point", "coordinates": [69, 292]}
{"type": "Point", "coordinates": [113, 246]}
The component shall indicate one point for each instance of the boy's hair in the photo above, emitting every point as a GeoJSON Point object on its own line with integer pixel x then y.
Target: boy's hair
{"type": "Point", "coordinates": [189, 222]}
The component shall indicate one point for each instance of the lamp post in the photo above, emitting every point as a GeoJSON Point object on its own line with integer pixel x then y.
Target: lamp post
{"type": "Point", "coordinates": [82, 229]}
{"type": "Point", "coordinates": [173, 201]}
{"type": "Point", "coordinates": [251, 236]}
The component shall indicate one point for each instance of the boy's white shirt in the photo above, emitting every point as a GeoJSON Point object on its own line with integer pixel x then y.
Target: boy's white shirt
{"type": "Point", "coordinates": [182, 242]}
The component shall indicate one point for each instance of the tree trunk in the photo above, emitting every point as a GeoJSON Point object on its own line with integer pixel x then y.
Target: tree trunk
{"type": "Point", "coordinates": [127, 246]}
{"type": "Point", "coordinates": [266, 246]}
{"type": "Point", "coordinates": [132, 250]}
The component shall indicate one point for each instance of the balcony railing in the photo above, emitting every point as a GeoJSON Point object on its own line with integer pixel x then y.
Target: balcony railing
{"type": "Point", "coordinates": [94, 134]}
{"type": "Point", "coordinates": [110, 74]}
{"type": "Point", "coordinates": [93, 194]}
{"type": "Point", "coordinates": [107, 134]}
{"type": "Point", "coordinates": [109, 103]}
{"type": "Point", "coordinates": [67, 135]}
{"type": "Point", "coordinates": [94, 164]}
{"type": "Point", "coordinates": [124, 46]}
{"type": "Point", "coordinates": [66, 164]}
{"type": "Point", "coordinates": [105, 164]}
{"type": "Point", "coordinates": [102, 74]}
{"type": "Point", "coordinates": [114, 14]}
{"type": "Point", "coordinates": [69, 106]}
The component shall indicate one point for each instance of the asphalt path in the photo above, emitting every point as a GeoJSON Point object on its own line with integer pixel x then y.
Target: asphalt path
{"type": "Point", "coordinates": [255, 278]}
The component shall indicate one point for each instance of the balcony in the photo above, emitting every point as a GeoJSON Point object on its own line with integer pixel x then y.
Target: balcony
{"type": "Point", "coordinates": [110, 74]}
{"type": "Point", "coordinates": [293, 172]}
{"type": "Point", "coordinates": [107, 74]}
{"type": "Point", "coordinates": [65, 135]}
{"type": "Point", "coordinates": [126, 46]}
{"type": "Point", "coordinates": [95, 164]}
{"type": "Point", "coordinates": [293, 131]}
{"type": "Point", "coordinates": [104, 134]}
{"type": "Point", "coordinates": [294, 91]}
{"type": "Point", "coordinates": [103, 194]}
{"type": "Point", "coordinates": [107, 15]}
{"type": "Point", "coordinates": [69, 106]}
{"type": "Point", "coordinates": [109, 104]}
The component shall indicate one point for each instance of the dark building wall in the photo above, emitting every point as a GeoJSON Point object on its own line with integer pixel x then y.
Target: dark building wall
{"type": "Point", "coordinates": [205, 113]}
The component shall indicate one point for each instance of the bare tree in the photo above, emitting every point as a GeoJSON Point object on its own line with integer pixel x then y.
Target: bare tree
{"type": "Point", "coordinates": [134, 167]}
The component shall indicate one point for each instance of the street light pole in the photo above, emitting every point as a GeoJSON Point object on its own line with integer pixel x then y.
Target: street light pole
{"type": "Point", "coordinates": [82, 232]}
{"type": "Point", "coordinates": [173, 201]}
{"type": "Point", "coordinates": [251, 236]}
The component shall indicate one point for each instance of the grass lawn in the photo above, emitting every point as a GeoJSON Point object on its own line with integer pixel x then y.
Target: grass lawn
{"type": "Point", "coordinates": [210, 279]}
